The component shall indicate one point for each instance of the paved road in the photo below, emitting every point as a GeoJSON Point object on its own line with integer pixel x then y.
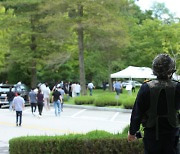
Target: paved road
{"type": "Point", "coordinates": [72, 120]}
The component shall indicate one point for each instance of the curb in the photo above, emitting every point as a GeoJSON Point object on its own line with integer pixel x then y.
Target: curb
{"type": "Point", "coordinates": [98, 108]}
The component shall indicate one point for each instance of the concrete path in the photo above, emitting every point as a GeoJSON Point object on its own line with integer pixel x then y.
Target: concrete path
{"type": "Point", "coordinates": [74, 119]}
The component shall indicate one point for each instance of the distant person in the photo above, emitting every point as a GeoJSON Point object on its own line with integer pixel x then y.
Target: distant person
{"type": "Point", "coordinates": [18, 105]}
{"type": "Point", "coordinates": [133, 86]}
{"type": "Point", "coordinates": [90, 87]}
{"type": "Point", "coordinates": [61, 90]}
{"type": "Point", "coordinates": [40, 100]}
{"type": "Point", "coordinates": [46, 92]}
{"type": "Point", "coordinates": [77, 89]}
{"type": "Point", "coordinates": [117, 87]}
{"type": "Point", "coordinates": [104, 86]}
{"type": "Point", "coordinates": [66, 88]}
{"type": "Point", "coordinates": [73, 89]}
{"type": "Point", "coordinates": [57, 99]}
{"type": "Point", "coordinates": [33, 100]}
{"type": "Point", "coordinates": [157, 107]}
{"type": "Point", "coordinates": [10, 96]}
{"type": "Point", "coordinates": [70, 89]}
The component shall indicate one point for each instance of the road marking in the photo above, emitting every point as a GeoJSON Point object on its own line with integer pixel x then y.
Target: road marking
{"type": "Point", "coordinates": [115, 115]}
{"type": "Point", "coordinates": [36, 127]}
{"type": "Point", "coordinates": [74, 115]}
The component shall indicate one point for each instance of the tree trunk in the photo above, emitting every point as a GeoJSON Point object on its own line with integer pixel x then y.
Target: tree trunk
{"type": "Point", "coordinates": [33, 75]}
{"type": "Point", "coordinates": [33, 47]}
{"type": "Point", "coordinates": [109, 76]}
{"type": "Point", "coordinates": [81, 52]}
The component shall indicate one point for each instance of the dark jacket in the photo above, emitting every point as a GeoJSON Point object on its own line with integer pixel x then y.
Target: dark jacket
{"type": "Point", "coordinates": [142, 105]}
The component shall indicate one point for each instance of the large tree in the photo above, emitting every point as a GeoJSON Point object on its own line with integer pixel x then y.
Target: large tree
{"type": "Point", "coordinates": [92, 25]}
{"type": "Point", "coordinates": [28, 44]}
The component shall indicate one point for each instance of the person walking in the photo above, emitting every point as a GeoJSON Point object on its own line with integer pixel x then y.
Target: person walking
{"type": "Point", "coordinates": [57, 99]}
{"type": "Point", "coordinates": [40, 100]}
{"type": "Point", "coordinates": [90, 87]}
{"type": "Point", "coordinates": [18, 105]}
{"type": "Point", "coordinates": [77, 89]}
{"type": "Point", "coordinates": [117, 87]}
{"type": "Point", "coordinates": [33, 101]}
{"type": "Point", "coordinates": [62, 93]}
{"type": "Point", "coordinates": [46, 92]}
{"type": "Point", "coordinates": [10, 96]}
{"type": "Point", "coordinates": [156, 107]}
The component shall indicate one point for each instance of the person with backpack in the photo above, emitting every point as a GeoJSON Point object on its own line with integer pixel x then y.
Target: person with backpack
{"type": "Point", "coordinates": [157, 108]}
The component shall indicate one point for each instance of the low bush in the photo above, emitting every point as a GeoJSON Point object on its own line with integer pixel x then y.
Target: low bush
{"type": "Point", "coordinates": [128, 102]}
{"type": "Point", "coordinates": [92, 142]}
{"type": "Point", "coordinates": [107, 101]}
{"type": "Point", "coordinates": [84, 100]}
{"type": "Point", "coordinates": [126, 129]}
{"type": "Point", "coordinates": [65, 98]}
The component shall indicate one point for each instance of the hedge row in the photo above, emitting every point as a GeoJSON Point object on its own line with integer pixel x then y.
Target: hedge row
{"type": "Point", "coordinates": [127, 102]}
{"type": "Point", "coordinates": [84, 100]}
{"type": "Point", "coordinates": [93, 142]}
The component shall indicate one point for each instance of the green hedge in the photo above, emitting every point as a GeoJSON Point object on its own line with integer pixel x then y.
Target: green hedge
{"type": "Point", "coordinates": [84, 100]}
{"type": "Point", "coordinates": [92, 142]}
{"type": "Point", "coordinates": [107, 101]}
{"type": "Point", "coordinates": [128, 102]}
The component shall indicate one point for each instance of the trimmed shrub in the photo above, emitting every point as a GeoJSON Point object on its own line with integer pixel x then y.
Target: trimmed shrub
{"type": "Point", "coordinates": [107, 101]}
{"type": "Point", "coordinates": [92, 142]}
{"type": "Point", "coordinates": [128, 102]}
{"type": "Point", "coordinates": [126, 129]}
{"type": "Point", "coordinates": [84, 100]}
{"type": "Point", "coordinates": [98, 133]}
{"type": "Point", "coordinates": [65, 98]}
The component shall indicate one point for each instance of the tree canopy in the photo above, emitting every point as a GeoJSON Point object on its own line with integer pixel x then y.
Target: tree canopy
{"type": "Point", "coordinates": [81, 40]}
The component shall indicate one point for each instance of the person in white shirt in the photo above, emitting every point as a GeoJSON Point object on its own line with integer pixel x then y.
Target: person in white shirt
{"type": "Point", "coordinates": [46, 92]}
{"type": "Point", "coordinates": [90, 87]}
{"type": "Point", "coordinates": [18, 105]}
{"type": "Point", "coordinates": [73, 89]}
{"type": "Point", "coordinates": [77, 89]}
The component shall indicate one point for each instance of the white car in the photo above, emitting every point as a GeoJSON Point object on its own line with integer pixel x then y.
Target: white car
{"type": "Point", "coordinates": [125, 83]}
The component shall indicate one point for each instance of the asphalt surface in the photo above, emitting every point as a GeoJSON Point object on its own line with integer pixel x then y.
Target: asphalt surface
{"type": "Point", "coordinates": [73, 119]}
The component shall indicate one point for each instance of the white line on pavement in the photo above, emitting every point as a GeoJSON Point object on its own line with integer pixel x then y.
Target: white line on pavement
{"type": "Point", "coordinates": [115, 115]}
{"type": "Point", "coordinates": [74, 115]}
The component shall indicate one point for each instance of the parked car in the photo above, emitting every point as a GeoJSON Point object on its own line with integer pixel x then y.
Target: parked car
{"type": "Point", "coordinates": [128, 82]}
{"type": "Point", "coordinates": [4, 89]}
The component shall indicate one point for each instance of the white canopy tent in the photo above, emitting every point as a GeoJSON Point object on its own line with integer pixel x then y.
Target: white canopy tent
{"type": "Point", "coordinates": [134, 72]}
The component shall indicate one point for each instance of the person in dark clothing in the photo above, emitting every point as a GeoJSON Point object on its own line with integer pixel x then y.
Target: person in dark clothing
{"type": "Point", "coordinates": [33, 100]}
{"type": "Point", "coordinates": [10, 97]}
{"type": "Point", "coordinates": [70, 89]}
{"type": "Point", "coordinates": [156, 108]}
{"type": "Point", "coordinates": [40, 100]}
{"type": "Point", "coordinates": [57, 99]}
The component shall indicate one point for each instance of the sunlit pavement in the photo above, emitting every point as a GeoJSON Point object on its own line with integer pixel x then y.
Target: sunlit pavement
{"type": "Point", "coordinates": [71, 120]}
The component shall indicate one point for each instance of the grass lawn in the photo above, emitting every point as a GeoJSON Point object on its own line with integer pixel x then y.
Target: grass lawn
{"type": "Point", "coordinates": [99, 93]}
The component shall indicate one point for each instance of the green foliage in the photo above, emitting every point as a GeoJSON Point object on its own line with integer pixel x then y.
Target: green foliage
{"type": "Point", "coordinates": [106, 98]}
{"type": "Point", "coordinates": [92, 142]}
{"type": "Point", "coordinates": [125, 130]}
{"type": "Point", "coordinates": [39, 37]}
{"type": "Point", "coordinates": [107, 101]}
{"type": "Point", "coordinates": [128, 102]}
{"type": "Point", "coordinates": [83, 100]}
{"type": "Point", "coordinates": [98, 134]}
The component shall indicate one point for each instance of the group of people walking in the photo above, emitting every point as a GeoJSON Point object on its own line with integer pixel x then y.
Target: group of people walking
{"type": "Point", "coordinates": [41, 97]}
{"type": "Point", "coordinates": [38, 98]}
